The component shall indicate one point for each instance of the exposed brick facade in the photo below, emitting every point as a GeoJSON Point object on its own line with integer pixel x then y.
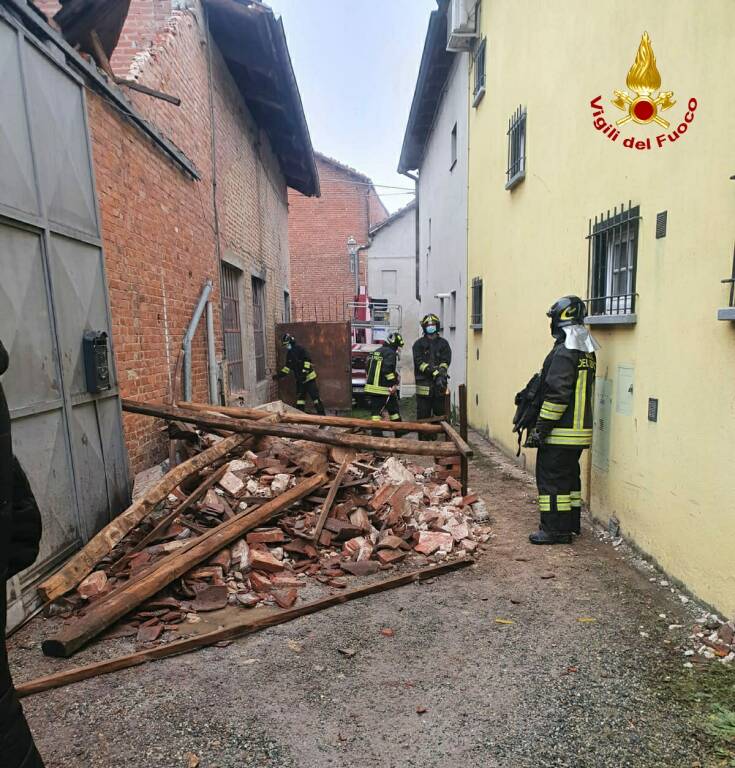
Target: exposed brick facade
{"type": "Point", "coordinates": [318, 230]}
{"type": "Point", "coordinates": [159, 226]}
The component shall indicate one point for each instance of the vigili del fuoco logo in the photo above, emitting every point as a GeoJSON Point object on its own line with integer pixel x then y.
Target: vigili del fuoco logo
{"type": "Point", "coordinates": [643, 102]}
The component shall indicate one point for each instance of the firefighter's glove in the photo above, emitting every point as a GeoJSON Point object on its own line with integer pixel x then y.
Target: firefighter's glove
{"type": "Point", "coordinates": [537, 437]}
{"type": "Point", "coordinates": [534, 439]}
{"type": "Point", "coordinates": [440, 381]}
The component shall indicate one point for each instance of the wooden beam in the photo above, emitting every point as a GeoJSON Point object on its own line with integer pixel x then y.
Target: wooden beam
{"type": "Point", "coordinates": [359, 442]}
{"type": "Point", "coordinates": [82, 563]}
{"type": "Point", "coordinates": [76, 634]}
{"type": "Point", "coordinates": [464, 468]}
{"type": "Point", "coordinates": [136, 86]}
{"type": "Point", "coordinates": [331, 496]}
{"type": "Point", "coordinates": [315, 419]}
{"type": "Point", "coordinates": [246, 627]}
{"type": "Point", "coordinates": [459, 444]}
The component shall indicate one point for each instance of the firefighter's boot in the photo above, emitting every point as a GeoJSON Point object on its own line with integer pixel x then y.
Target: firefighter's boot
{"type": "Point", "coordinates": [550, 537]}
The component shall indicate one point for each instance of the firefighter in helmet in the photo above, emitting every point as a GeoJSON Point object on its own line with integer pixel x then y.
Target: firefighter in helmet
{"type": "Point", "coordinates": [564, 426]}
{"type": "Point", "coordinates": [382, 382]}
{"type": "Point", "coordinates": [432, 356]}
{"type": "Point", "coordinates": [299, 363]}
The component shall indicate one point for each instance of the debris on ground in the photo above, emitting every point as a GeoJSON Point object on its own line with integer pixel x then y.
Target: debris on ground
{"type": "Point", "coordinates": [381, 514]}
{"type": "Point", "coordinates": [712, 638]}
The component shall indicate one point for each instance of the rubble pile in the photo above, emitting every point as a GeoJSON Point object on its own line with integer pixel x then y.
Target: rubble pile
{"type": "Point", "coordinates": [384, 514]}
{"type": "Point", "coordinates": [711, 638]}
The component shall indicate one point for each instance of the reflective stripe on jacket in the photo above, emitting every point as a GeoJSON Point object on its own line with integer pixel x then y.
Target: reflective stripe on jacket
{"type": "Point", "coordinates": [299, 363]}
{"type": "Point", "coordinates": [567, 396]}
{"type": "Point", "coordinates": [381, 372]}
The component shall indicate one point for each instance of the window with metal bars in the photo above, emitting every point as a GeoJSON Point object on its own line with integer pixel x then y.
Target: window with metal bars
{"type": "Point", "coordinates": [259, 327]}
{"type": "Point", "coordinates": [516, 170]}
{"type": "Point", "coordinates": [612, 254]}
{"type": "Point", "coordinates": [476, 314]}
{"type": "Point", "coordinates": [286, 307]}
{"type": "Point", "coordinates": [231, 328]}
{"type": "Point", "coordinates": [479, 87]}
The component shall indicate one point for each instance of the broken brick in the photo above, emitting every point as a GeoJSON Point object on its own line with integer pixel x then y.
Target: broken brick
{"type": "Point", "coordinates": [325, 539]}
{"type": "Point", "coordinates": [231, 483]}
{"type": "Point", "coordinates": [222, 559]}
{"type": "Point", "coordinates": [271, 536]}
{"type": "Point", "coordinates": [285, 599]}
{"type": "Point", "coordinates": [93, 585]}
{"type": "Point", "coordinates": [471, 499]}
{"type": "Point", "coordinates": [363, 568]}
{"type": "Point", "coordinates": [259, 582]}
{"type": "Point", "coordinates": [390, 556]}
{"type": "Point", "coordinates": [430, 541]}
{"type": "Point", "coordinates": [342, 528]}
{"type": "Point", "coordinates": [286, 581]}
{"type": "Point", "coordinates": [391, 542]}
{"type": "Point", "coordinates": [210, 599]}
{"type": "Point", "coordinates": [264, 561]}
{"type": "Point", "coordinates": [149, 633]}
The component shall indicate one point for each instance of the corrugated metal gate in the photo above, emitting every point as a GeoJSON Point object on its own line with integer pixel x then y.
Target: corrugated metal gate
{"type": "Point", "coordinates": [330, 349]}
{"type": "Point", "coordinates": [52, 289]}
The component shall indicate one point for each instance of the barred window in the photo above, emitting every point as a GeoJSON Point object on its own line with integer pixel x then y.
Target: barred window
{"type": "Point", "coordinates": [612, 258]}
{"type": "Point", "coordinates": [286, 307]}
{"type": "Point", "coordinates": [516, 171]}
{"type": "Point", "coordinates": [479, 88]}
{"type": "Point", "coordinates": [259, 327]}
{"type": "Point", "coordinates": [231, 329]}
{"type": "Point", "coordinates": [476, 315]}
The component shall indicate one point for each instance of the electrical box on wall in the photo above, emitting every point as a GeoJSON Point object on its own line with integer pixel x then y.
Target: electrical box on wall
{"type": "Point", "coordinates": [96, 361]}
{"type": "Point", "coordinates": [601, 424]}
{"type": "Point", "coordinates": [624, 396]}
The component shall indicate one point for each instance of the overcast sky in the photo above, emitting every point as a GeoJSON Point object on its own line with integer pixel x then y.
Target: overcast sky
{"type": "Point", "coordinates": [356, 63]}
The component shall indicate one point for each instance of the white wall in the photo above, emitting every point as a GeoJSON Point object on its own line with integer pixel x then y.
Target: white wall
{"type": "Point", "coordinates": [443, 219]}
{"type": "Point", "coordinates": [392, 276]}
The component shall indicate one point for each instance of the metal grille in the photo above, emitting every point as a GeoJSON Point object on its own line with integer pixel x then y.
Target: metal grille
{"type": "Point", "coordinates": [259, 327]}
{"type": "Point", "coordinates": [476, 316]}
{"type": "Point", "coordinates": [516, 170]}
{"type": "Point", "coordinates": [653, 409]}
{"type": "Point", "coordinates": [612, 253]}
{"type": "Point", "coordinates": [661, 224]}
{"type": "Point", "coordinates": [480, 69]}
{"type": "Point", "coordinates": [231, 328]}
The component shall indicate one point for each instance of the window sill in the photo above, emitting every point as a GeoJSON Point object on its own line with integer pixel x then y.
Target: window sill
{"type": "Point", "coordinates": [726, 313]}
{"type": "Point", "coordinates": [478, 96]}
{"type": "Point", "coordinates": [476, 326]}
{"type": "Point", "coordinates": [630, 319]}
{"type": "Point", "coordinates": [452, 327]}
{"type": "Point", "coordinates": [516, 180]}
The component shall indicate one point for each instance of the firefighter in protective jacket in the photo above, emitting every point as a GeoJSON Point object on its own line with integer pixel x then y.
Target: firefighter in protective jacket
{"type": "Point", "coordinates": [432, 357]}
{"type": "Point", "coordinates": [564, 426]}
{"type": "Point", "coordinates": [382, 380]}
{"type": "Point", "coordinates": [299, 363]}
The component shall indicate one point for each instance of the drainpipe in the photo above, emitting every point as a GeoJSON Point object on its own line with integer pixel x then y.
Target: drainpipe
{"type": "Point", "coordinates": [415, 180]}
{"type": "Point", "coordinates": [189, 335]}
{"type": "Point", "coordinates": [211, 355]}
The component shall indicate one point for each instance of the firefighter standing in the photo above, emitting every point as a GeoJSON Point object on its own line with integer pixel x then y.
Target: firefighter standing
{"type": "Point", "coordinates": [564, 427]}
{"type": "Point", "coordinates": [299, 363]}
{"type": "Point", "coordinates": [432, 356]}
{"type": "Point", "coordinates": [382, 380]}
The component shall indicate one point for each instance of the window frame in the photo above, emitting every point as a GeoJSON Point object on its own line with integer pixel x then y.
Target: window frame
{"type": "Point", "coordinates": [476, 315]}
{"type": "Point", "coordinates": [605, 235]}
{"type": "Point", "coordinates": [232, 326]}
{"type": "Point", "coordinates": [480, 72]}
{"type": "Point", "coordinates": [257, 286]}
{"type": "Point", "coordinates": [453, 310]}
{"type": "Point", "coordinates": [517, 142]}
{"type": "Point", "coordinates": [453, 150]}
{"type": "Point", "coordinates": [286, 306]}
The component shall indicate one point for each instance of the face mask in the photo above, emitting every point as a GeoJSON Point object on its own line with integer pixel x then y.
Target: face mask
{"type": "Point", "coordinates": [430, 329]}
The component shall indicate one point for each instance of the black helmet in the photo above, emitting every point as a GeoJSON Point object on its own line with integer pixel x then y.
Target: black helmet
{"type": "Point", "coordinates": [395, 340]}
{"type": "Point", "coordinates": [568, 310]}
{"type": "Point", "coordinates": [430, 319]}
{"type": "Point", "coordinates": [287, 339]}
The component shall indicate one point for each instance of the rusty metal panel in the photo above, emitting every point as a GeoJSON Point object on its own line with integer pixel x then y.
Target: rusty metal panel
{"type": "Point", "coordinates": [329, 346]}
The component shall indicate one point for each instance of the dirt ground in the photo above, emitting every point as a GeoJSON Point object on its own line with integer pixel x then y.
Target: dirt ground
{"type": "Point", "coordinates": [533, 657]}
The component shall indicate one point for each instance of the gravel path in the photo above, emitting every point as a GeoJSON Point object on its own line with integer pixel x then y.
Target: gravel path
{"type": "Point", "coordinates": [570, 682]}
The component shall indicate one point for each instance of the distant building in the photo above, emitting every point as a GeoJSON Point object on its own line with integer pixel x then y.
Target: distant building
{"type": "Point", "coordinates": [322, 281]}
{"type": "Point", "coordinates": [435, 144]}
{"type": "Point", "coordinates": [391, 260]}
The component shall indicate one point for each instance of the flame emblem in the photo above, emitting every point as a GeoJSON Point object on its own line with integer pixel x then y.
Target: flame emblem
{"type": "Point", "coordinates": [643, 103]}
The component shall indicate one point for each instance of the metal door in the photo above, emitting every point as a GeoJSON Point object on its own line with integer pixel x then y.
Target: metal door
{"type": "Point", "coordinates": [52, 289]}
{"type": "Point", "coordinates": [330, 348]}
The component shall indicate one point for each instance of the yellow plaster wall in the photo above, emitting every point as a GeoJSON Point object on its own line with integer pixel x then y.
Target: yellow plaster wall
{"type": "Point", "coordinates": [669, 483]}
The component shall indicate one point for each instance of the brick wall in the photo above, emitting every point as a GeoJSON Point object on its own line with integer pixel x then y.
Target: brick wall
{"type": "Point", "coordinates": [318, 230]}
{"type": "Point", "coordinates": [158, 225]}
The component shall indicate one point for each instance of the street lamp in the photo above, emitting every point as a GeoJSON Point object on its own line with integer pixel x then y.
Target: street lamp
{"type": "Point", "coordinates": [354, 266]}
